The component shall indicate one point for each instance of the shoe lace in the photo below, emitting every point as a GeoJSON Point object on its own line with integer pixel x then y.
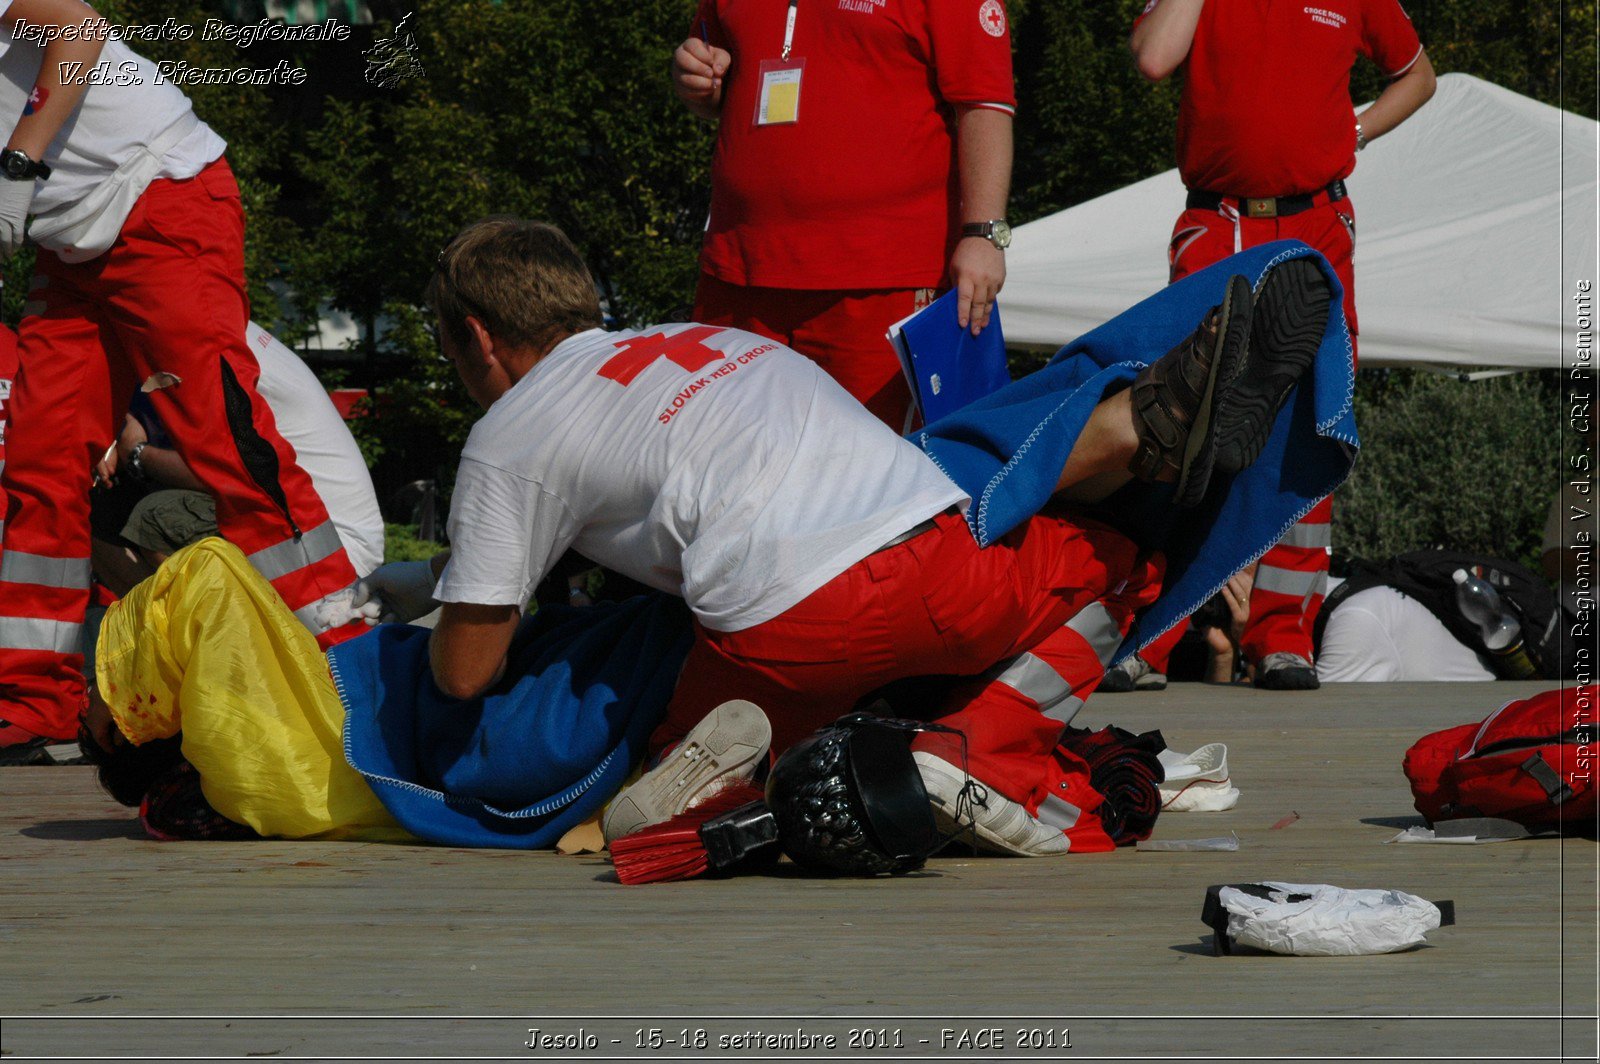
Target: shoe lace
{"type": "Point", "coordinates": [971, 797]}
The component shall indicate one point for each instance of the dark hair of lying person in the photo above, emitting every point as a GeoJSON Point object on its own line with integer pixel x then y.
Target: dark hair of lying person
{"type": "Point", "coordinates": [127, 771]}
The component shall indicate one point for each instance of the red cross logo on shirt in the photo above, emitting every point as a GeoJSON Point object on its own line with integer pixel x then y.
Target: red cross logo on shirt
{"type": "Point", "coordinates": [686, 348]}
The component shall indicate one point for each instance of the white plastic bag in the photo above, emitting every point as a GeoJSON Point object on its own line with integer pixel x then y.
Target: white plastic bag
{"type": "Point", "coordinates": [1318, 920]}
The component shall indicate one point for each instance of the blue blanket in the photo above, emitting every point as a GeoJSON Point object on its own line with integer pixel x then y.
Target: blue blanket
{"type": "Point", "coordinates": [1007, 450]}
{"type": "Point", "coordinates": [536, 756]}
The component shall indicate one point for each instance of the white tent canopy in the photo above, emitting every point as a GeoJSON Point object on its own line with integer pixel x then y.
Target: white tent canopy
{"type": "Point", "coordinates": [1475, 221]}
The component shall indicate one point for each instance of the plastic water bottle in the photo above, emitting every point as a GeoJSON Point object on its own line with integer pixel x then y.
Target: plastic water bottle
{"type": "Point", "coordinates": [1480, 603]}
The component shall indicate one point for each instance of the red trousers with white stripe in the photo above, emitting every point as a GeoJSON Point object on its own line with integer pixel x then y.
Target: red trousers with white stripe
{"type": "Point", "coordinates": [1032, 619]}
{"type": "Point", "coordinates": [169, 296]}
{"type": "Point", "coordinates": [1293, 578]}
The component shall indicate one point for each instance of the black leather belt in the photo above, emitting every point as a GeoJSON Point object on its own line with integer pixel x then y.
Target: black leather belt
{"type": "Point", "coordinates": [1267, 206]}
{"type": "Point", "coordinates": [916, 530]}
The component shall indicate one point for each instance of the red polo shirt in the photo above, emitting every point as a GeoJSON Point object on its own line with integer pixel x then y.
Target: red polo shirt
{"type": "Point", "coordinates": [862, 192]}
{"type": "Point", "coordinates": [1266, 90]}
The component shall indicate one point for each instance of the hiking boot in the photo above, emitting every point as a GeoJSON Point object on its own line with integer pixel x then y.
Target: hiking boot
{"type": "Point", "coordinates": [962, 804]}
{"type": "Point", "coordinates": [1132, 674]}
{"type": "Point", "coordinates": [1175, 399]}
{"type": "Point", "coordinates": [725, 747]}
{"type": "Point", "coordinates": [1286, 672]}
{"type": "Point", "coordinates": [1291, 314]}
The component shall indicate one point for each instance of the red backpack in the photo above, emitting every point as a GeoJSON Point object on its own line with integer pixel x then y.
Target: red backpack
{"type": "Point", "coordinates": [1531, 761]}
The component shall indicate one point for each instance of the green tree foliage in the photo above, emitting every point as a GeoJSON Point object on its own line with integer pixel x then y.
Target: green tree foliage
{"type": "Point", "coordinates": [1087, 122]}
{"type": "Point", "coordinates": [1445, 463]}
{"type": "Point", "coordinates": [1542, 50]}
{"type": "Point", "coordinates": [559, 109]}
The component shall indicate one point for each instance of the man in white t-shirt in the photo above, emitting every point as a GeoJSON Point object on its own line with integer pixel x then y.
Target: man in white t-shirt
{"type": "Point", "coordinates": [821, 554]}
{"type": "Point", "coordinates": [141, 269]}
{"type": "Point", "coordinates": [157, 476]}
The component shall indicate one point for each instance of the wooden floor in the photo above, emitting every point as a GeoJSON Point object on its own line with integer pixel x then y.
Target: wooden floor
{"type": "Point", "coordinates": [310, 950]}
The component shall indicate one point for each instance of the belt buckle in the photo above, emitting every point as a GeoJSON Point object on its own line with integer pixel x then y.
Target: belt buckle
{"type": "Point", "coordinates": [1261, 208]}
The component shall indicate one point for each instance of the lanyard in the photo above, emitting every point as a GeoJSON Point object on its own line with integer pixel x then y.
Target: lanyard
{"type": "Point", "coordinates": [788, 29]}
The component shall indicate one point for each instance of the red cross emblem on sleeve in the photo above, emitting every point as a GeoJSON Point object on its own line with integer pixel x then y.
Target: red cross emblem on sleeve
{"type": "Point", "coordinates": [992, 17]}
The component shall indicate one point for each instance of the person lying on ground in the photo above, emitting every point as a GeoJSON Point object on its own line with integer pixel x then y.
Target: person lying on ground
{"type": "Point", "coordinates": [822, 555]}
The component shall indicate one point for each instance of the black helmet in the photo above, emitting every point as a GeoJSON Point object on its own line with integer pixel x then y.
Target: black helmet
{"type": "Point", "coordinates": [849, 799]}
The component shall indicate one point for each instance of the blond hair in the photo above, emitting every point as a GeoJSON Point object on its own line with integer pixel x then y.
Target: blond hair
{"type": "Point", "coordinates": [523, 280]}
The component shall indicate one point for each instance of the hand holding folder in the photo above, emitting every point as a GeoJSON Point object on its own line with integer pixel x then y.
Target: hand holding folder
{"type": "Point", "coordinates": [946, 365]}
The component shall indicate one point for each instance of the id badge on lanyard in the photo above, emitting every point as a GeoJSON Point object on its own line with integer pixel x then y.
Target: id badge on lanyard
{"type": "Point", "coordinates": [778, 102]}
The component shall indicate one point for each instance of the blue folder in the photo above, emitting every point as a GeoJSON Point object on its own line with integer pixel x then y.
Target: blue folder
{"type": "Point", "coordinates": [949, 367]}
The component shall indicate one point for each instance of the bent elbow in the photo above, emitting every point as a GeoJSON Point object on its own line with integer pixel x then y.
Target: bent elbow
{"type": "Point", "coordinates": [458, 685]}
{"type": "Point", "coordinates": [1430, 85]}
{"type": "Point", "coordinates": [1152, 72]}
{"type": "Point", "coordinates": [1150, 62]}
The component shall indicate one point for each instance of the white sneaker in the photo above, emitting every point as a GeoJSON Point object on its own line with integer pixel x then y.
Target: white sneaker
{"type": "Point", "coordinates": [723, 748]}
{"type": "Point", "coordinates": [1002, 826]}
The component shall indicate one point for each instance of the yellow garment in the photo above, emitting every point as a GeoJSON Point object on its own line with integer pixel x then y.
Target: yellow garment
{"type": "Point", "coordinates": [206, 647]}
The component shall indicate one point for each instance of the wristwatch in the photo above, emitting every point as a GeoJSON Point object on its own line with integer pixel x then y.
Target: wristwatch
{"type": "Point", "coordinates": [16, 166]}
{"type": "Point", "coordinates": [997, 232]}
{"type": "Point", "coordinates": [1361, 137]}
{"type": "Point", "coordinates": [135, 459]}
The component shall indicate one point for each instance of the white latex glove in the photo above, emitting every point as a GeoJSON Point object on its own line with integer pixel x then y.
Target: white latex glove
{"type": "Point", "coordinates": [15, 199]}
{"type": "Point", "coordinates": [404, 588]}
{"type": "Point", "coordinates": [339, 609]}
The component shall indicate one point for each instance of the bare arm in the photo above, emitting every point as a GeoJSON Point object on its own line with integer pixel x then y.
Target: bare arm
{"type": "Point", "coordinates": [161, 464]}
{"type": "Point", "coordinates": [467, 650]}
{"type": "Point", "coordinates": [167, 467]}
{"type": "Point", "coordinates": [977, 267]}
{"type": "Point", "coordinates": [1161, 41]}
{"type": "Point", "coordinates": [697, 72]}
{"type": "Point", "coordinates": [33, 133]}
{"type": "Point", "coordinates": [1400, 99]}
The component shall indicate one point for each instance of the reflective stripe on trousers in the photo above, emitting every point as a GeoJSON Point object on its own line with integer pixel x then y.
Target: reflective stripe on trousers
{"type": "Point", "coordinates": [18, 567]}
{"type": "Point", "coordinates": [1039, 681]}
{"type": "Point", "coordinates": [1034, 679]}
{"type": "Point", "coordinates": [290, 555]}
{"type": "Point", "coordinates": [1291, 582]}
{"type": "Point", "coordinates": [37, 633]}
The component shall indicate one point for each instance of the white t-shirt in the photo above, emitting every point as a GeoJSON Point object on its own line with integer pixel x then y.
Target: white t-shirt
{"type": "Point", "coordinates": [322, 442]}
{"type": "Point", "coordinates": [710, 463]}
{"type": "Point", "coordinates": [1379, 634]}
{"type": "Point", "coordinates": [112, 124]}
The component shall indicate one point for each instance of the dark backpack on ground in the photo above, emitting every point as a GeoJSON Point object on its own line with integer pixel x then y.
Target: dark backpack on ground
{"type": "Point", "coordinates": [1531, 762]}
{"type": "Point", "coordinates": [1429, 577]}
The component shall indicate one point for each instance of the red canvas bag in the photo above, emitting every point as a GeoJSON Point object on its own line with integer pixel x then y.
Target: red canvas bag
{"type": "Point", "coordinates": [1531, 761]}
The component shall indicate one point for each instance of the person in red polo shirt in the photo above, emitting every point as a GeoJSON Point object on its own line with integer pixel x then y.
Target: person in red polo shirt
{"type": "Point", "coordinates": [1266, 135]}
{"type": "Point", "coordinates": [863, 162]}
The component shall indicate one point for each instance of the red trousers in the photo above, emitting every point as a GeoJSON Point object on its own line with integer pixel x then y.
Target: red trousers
{"type": "Point", "coordinates": [8, 374]}
{"type": "Point", "coordinates": [1293, 578]}
{"type": "Point", "coordinates": [843, 331]}
{"type": "Point", "coordinates": [1031, 620]}
{"type": "Point", "coordinates": [168, 296]}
